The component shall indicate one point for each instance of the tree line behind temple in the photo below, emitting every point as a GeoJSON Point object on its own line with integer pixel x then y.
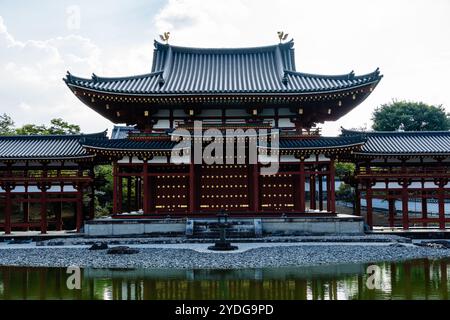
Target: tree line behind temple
{"type": "Point", "coordinates": [393, 116]}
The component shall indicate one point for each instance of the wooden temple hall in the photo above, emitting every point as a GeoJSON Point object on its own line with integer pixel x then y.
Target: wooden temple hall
{"type": "Point", "coordinates": [48, 182]}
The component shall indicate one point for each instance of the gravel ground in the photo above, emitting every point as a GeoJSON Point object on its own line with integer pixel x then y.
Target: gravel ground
{"type": "Point", "coordinates": [287, 256]}
{"type": "Point", "coordinates": [267, 239]}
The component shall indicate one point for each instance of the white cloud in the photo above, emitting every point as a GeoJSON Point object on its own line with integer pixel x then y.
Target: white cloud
{"type": "Point", "coordinates": [31, 83]}
{"type": "Point", "coordinates": [407, 39]}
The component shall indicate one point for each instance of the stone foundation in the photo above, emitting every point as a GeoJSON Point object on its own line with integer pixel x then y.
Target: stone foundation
{"type": "Point", "coordinates": [340, 224]}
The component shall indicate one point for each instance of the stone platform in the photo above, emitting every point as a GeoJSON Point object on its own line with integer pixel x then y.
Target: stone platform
{"type": "Point", "coordinates": [239, 227]}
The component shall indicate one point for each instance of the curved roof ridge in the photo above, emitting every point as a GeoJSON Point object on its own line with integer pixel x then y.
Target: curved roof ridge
{"type": "Point", "coordinates": [94, 78]}
{"type": "Point", "coordinates": [56, 136]}
{"type": "Point", "coordinates": [356, 132]}
{"type": "Point", "coordinates": [347, 76]}
{"type": "Point", "coordinates": [288, 45]}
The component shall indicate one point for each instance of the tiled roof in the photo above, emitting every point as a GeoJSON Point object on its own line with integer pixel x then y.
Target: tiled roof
{"type": "Point", "coordinates": [127, 144]}
{"type": "Point", "coordinates": [404, 143]}
{"type": "Point", "coordinates": [322, 142]}
{"type": "Point", "coordinates": [314, 143]}
{"type": "Point", "coordinates": [181, 70]}
{"type": "Point", "coordinates": [45, 147]}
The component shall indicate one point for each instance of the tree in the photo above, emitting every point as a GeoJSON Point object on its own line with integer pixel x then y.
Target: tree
{"type": "Point", "coordinates": [410, 116]}
{"type": "Point", "coordinates": [6, 125]}
{"type": "Point", "coordinates": [346, 173]}
{"type": "Point", "coordinates": [57, 126]}
{"type": "Point", "coordinates": [344, 170]}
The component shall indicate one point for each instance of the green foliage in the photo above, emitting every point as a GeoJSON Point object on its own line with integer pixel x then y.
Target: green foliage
{"type": "Point", "coordinates": [345, 193]}
{"type": "Point", "coordinates": [344, 169]}
{"type": "Point", "coordinates": [6, 125]}
{"type": "Point", "coordinates": [410, 116]}
{"type": "Point", "coordinates": [104, 190]}
{"type": "Point", "coordinates": [57, 126]}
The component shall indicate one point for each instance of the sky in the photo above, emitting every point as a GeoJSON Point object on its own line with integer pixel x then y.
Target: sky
{"type": "Point", "coordinates": [409, 40]}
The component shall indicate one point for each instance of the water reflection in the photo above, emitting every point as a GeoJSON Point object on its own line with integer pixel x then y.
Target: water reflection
{"type": "Point", "coordinates": [418, 279]}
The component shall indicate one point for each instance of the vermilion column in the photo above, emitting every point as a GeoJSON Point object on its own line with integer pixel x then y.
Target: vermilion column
{"type": "Point", "coordinates": [301, 187]}
{"type": "Point", "coordinates": [424, 204]}
{"type": "Point", "coordinates": [58, 216]}
{"type": "Point", "coordinates": [441, 205]}
{"type": "Point", "coordinates": [115, 211]}
{"type": "Point", "coordinates": [369, 194]}
{"type": "Point", "coordinates": [79, 207]}
{"type": "Point", "coordinates": [319, 178]}
{"type": "Point", "coordinates": [43, 209]}
{"type": "Point", "coordinates": [128, 194]}
{"type": "Point", "coordinates": [256, 193]}
{"type": "Point", "coordinates": [405, 210]}
{"type": "Point", "coordinates": [8, 208]}
{"type": "Point", "coordinates": [92, 195]}
{"type": "Point", "coordinates": [146, 200]}
{"type": "Point", "coordinates": [312, 191]}
{"type": "Point", "coordinates": [332, 194]}
{"type": "Point", "coordinates": [119, 192]}
{"type": "Point", "coordinates": [391, 212]}
{"type": "Point", "coordinates": [26, 212]}
{"type": "Point", "coordinates": [357, 200]}
{"type": "Point", "coordinates": [192, 186]}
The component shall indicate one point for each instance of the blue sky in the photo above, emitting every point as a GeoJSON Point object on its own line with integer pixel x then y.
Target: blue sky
{"type": "Point", "coordinates": [407, 39]}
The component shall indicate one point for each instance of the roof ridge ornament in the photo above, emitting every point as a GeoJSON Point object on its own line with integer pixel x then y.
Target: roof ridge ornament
{"type": "Point", "coordinates": [165, 37]}
{"type": "Point", "coordinates": [282, 36]}
{"type": "Point", "coordinates": [351, 75]}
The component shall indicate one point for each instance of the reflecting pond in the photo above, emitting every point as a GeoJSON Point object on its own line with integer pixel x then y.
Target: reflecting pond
{"type": "Point", "coordinates": [417, 279]}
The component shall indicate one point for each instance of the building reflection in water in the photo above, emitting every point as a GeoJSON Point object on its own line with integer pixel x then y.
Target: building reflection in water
{"type": "Point", "coordinates": [418, 279]}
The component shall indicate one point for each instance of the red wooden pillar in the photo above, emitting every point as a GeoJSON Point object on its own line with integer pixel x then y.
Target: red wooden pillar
{"type": "Point", "coordinates": [301, 187]}
{"type": "Point", "coordinates": [8, 207]}
{"type": "Point", "coordinates": [424, 203]}
{"type": "Point", "coordinates": [391, 212]}
{"type": "Point", "coordinates": [79, 213]}
{"type": "Point", "coordinates": [146, 195]}
{"type": "Point", "coordinates": [192, 186]}
{"type": "Point", "coordinates": [369, 194]}
{"type": "Point", "coordinates": [136, 193]}
{"type": "Point", "coordinates": [441, 197]}
{"type": "Point", "coordinates": [312, 191]}
{"type": "Point", "coordinates": [43, 209]}
{"type": "Point", "coordinates": [332, 191]}
{"type": "Point", "coordinates": [319, 178]}
{"type": "Point", "coordinates": [115, 200]}
{"type": "Point", "coordinates": [255, 182]}
{"type": "Point", "coordinates": [357, 200]}
{"type": "Point", "coordinates": [128, 194]}
{"type": "Point", "coordinates": [26, 212]}
{"type": "Point", "coordinates": [58, 215]}
{"type": "Point", "coordinates": [119, 192]}
{"type": "Point", "coordinates": [405, 210]}
{"type": "Point", "coordinates": [92, 195]}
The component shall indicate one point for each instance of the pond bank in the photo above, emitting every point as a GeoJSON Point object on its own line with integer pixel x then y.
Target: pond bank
{"type": "Point", "coordinates": [196, 256]}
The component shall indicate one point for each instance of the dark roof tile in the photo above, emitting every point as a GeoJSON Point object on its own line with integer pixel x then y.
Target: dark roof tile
{"type": "Point", "coordinates": [45, 147]}
{"type": "Point", "coordinates": [404, 143]}
{"type": "Point", "coordinates": [181, 70]}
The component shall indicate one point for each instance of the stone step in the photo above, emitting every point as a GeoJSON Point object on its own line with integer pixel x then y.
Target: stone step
{"type": "Point", "coordinates": [236, 228]}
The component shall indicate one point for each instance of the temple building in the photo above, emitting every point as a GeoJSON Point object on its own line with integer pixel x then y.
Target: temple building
{"type": "Point", "coordinates": [187, 105]}
{"type": "Point", "coordinates": [247, 88]}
